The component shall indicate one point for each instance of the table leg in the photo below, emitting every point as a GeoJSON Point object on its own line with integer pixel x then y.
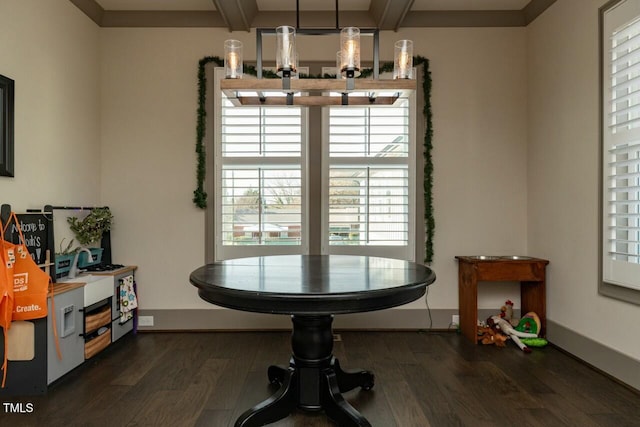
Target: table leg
{"type": "Point", "coordinates": [278, 406]}
{"type": "Point", "coordinates": [276, 374]}
{"type": "Point", "coordinates": [468, 301]}
{"type": "Point", "coordinates": [348, 380]}
{"type": "Point", "coordinates": [533, 298]}
{"type": "Point", "coordinates": [313, 381]}
{"type": "Point", "coordinates": [334, 405]}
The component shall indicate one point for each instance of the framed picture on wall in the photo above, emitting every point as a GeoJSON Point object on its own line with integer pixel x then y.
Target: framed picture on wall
{"type": "Point", "coordinates": [6, 126]}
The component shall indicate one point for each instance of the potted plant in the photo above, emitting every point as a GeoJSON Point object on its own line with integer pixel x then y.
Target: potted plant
{"type": "Point", "coordinates": [89, 230]}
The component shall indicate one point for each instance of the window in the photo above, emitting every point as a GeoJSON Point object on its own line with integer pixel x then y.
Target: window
{"type": "Point", "coordinates": [259, 158]}
{"type": "Point", "coordinates": [620, 28]}
{"type": "Point", "coordinates": [264, 189]}
{"type": "Point", "coordinates": [369, 180]}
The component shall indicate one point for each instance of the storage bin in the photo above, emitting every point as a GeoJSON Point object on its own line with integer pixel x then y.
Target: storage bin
{"type": "Point", "coordinates": [96, 345]}
{"type": "Point", "coordinates": [96, 254]}
{"type": "Point", "coordinates": [97, 319]}
{"type": "Point", "coordinates": [63, 263]}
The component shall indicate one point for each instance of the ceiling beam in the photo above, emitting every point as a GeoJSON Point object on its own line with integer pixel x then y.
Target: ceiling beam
{"type": "Point", "coordinates": [535, 8]}
{"type": "Point", "coordinates": [238, 15]}
{"type": "Point", "coordinates": [90, 8]}
{"type": "Point", "coordinates": [389, 14]}
{"type": "Point", "coordinates": [316, 19]}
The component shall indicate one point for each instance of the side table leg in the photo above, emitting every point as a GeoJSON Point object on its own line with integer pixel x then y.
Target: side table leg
{"type": "Point", "coordinates": [348, 380]}
{"type": "Point", "coordinates": [533, 298]}
{"type": "Point", "coordinates": [468, 300]}
{"type": "Point", "coordinates": [334, 405]}
{"type": "Point", "coordinates": [275, 408]}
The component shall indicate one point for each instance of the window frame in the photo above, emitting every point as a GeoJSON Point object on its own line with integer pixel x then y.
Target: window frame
{"type": "Point", "coordinates": [417, 228]}
{"type": "Point", "coordinates": [605, 287]}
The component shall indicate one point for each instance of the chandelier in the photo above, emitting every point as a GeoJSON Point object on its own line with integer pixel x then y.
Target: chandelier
{"type": "Point", "coordinates": [290, 89]}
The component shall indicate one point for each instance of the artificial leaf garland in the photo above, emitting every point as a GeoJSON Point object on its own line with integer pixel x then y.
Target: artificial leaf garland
{"type": "Point", "coordinates": [200, 196]}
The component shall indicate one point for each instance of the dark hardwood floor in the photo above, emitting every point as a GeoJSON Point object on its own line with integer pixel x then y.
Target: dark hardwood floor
{"type": "Point", "coordinates": [422, 379]}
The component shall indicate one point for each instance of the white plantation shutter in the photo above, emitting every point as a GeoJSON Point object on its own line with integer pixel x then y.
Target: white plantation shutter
{"type": "Point", "coordinates": [261, 132]}
{"type": "Point", "coordinates": [369, 180]}
{"type": "Point", "coordinates": [261, 205]}
{"type": "Point", "coordinates": [621, 145]}
{"type": "Point", "coordinates": [259, 180]}
{"type": "Point", "coordinates": [368, 205]}
{"type": "Point", "coordinates": [369, 132]}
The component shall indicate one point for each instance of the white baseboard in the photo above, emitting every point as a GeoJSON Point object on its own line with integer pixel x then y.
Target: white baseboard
{"type": "Point", "coordinates": [238, 320]}
{"type": "Point", "coordinates": [624, 368]}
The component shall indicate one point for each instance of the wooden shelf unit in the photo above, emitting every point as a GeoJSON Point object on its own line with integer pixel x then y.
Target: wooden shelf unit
{"type": "Point", "coordinates": [530, 272]}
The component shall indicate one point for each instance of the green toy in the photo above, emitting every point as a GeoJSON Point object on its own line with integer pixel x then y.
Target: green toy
{"type": "Point", "coordinates": [530, 323]}
{"type": "Point", "coordinates": [534, 342]}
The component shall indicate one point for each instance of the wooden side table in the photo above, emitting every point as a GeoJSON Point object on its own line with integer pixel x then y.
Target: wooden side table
{"type": "Point", "coordinates": [473, 269]}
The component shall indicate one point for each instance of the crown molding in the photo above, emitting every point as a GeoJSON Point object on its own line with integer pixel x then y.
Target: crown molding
{"type": "Point", "coordinates": [415, 19]}
{"type": "Point", "coordinates": [464, 18]}
{"type": "Point", "coordinates": [151, 19]}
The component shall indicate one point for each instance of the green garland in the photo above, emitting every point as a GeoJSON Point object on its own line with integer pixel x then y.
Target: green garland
{"type": "Point", "coordinates": [200, 196]}
{"type": "Point", "coordinates": [429, 220]}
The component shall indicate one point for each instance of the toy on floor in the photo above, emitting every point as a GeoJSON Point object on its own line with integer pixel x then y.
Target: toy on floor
{"type": "Point", "coordinates": [530, 323]}
{"type": "Point", "coordinates": [487, 336]}
{"type": "Point", "coordinates": [534, 342]}
{"type": "Point", "coordinates": [505, 327]}
{"type": "Point", "coordinates": [506, 312]}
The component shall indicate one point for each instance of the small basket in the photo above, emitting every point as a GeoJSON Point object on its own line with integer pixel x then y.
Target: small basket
{"type": "Point", "coordinates": [97, 344]}
{"type": "Point", "coordinates": [94, 321]}
{"type": "Point", "coordinates": [63, 263]}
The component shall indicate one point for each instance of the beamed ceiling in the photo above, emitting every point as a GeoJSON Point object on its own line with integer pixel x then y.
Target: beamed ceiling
{"type": "Point", "coordinates": [242, 15]}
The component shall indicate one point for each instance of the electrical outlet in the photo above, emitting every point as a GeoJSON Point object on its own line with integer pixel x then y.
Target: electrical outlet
{"type": "Point", "coordinates": [145, 321]}
{"type": "Point", "coordinates": [455, 319]}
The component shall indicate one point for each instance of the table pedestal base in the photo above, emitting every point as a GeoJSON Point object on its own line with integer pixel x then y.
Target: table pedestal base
{"type": "Point", "coordinates": [313, 381]}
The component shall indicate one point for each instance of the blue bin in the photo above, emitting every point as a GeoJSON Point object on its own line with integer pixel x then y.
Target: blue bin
{"type": "Point", "coordinates": [96, 254]}
{"type": "Point", "coordinates": [63, 263]}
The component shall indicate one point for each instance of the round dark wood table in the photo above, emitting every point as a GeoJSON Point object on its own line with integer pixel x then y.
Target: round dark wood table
{"type": "Point", "coordinates": [311, 289]}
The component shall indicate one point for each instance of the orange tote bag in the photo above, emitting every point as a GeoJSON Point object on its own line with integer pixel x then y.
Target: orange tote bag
{"type": "Point", "coordinates": [7, 259]}
{"type": "Point", "coordinates": [30, 283]}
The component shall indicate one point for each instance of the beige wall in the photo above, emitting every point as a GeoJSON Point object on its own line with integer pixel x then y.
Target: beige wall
{"type": "Point", "coordinates": [148, 159]}
{"type": "Point", "coordinates": [50, 49]}
{"type": "Point", "coordinates": [479, 88]}
{"type": "Point", "coordinates": [148, 156]}
{"type": "Point", "coordinates": [563, 173]}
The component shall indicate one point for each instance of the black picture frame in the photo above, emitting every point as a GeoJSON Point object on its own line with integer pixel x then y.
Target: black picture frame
{"type": "Point", "coordinates": [7, 93]}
